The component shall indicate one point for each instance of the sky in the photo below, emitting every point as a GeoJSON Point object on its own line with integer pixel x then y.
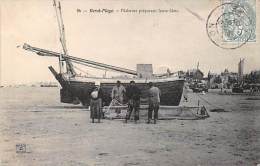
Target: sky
{"type": "Point", "coordinates": [176, 40]}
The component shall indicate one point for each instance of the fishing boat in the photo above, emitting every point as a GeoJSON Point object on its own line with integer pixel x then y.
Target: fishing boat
{"type": "Point", "coordinates": [76, 88]}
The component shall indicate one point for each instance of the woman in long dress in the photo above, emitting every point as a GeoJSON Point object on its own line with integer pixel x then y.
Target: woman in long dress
{"type": "Point", "coordinates": [96, 104]}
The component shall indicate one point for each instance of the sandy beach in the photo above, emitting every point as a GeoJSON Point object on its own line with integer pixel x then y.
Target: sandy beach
{"type": "Point", "coordinates": [58, 134]}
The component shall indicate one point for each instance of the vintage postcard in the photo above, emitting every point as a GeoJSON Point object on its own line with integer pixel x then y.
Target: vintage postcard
{"type": "Point", "coordinates": [129, 82]}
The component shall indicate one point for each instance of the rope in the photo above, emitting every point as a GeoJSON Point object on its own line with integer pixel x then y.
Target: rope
{"type": "Point", "coordinates": [92, 66]}
{"type": "Point", "coordinates": [208, 102]}
{"type": "Point", "coordinates": [216, 107]}
{"type": "Point", "coordinates": [81, 70]}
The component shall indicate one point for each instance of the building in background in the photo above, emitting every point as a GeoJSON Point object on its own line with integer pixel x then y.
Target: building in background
{"type": "Point", "coordinates": [241, 70]}
{"type": "Point", "coordinates": [228, 78]}
{"type": "Point", "coordinates": [194, 75]}
{"type": "Point", "coordinates": [253, 77]}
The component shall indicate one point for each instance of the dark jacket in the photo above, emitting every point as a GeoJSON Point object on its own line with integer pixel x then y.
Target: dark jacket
{"type": "Point", "coordinates": [133, 92]}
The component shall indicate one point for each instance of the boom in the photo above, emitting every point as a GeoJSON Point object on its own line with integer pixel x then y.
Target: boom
{"type": "Point", "coordinates": [43, 52]}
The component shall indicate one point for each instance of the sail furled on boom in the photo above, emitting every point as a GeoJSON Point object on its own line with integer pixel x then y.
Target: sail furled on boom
{"type": "Point", "coordinates": [43, 52]}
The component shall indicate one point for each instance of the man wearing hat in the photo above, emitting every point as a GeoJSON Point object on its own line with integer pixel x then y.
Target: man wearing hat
{"type": "Point", "coordinates": [133, 94]}
{"type": "Point", "coordinates": [117, 94]}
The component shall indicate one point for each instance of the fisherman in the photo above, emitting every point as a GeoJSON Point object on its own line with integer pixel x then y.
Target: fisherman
{"type": "Point", "coordinates": [118, 93]}
{"type": "Point", "coordinates": [154, 95]}
{"type": "Point", "coordinates": [133, 94]}
{"type": "Point", "coordinates": [96, 103]}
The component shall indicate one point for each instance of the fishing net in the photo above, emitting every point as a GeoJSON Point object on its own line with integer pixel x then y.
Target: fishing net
{"type": "Point", "coordinates": [183, 113]}
{"type": "Point", "coordinates": [110, 111]}
{"type": "Point", "coordinates": [165, 112]}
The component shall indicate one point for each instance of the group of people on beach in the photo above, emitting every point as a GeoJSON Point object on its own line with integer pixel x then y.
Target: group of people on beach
{"type": "Point", "coordinates": [132, 94]}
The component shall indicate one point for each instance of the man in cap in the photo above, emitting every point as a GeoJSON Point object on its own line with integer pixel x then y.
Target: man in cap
{"type": "Point", "coordinates": [133, 94]}
{"type": "Point", "coordinates": [117, 94]}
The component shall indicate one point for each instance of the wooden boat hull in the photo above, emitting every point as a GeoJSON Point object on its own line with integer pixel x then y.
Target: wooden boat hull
{"type": "Point", "coordinates": [171, 92]}
{"type": "Point", "coordinates": [74, 89]}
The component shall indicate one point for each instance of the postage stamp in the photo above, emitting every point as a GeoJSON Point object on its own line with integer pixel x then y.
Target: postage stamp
{"type": "Point", "coordinates": [232, 24]}
{"type": "Point", "coordinates": [250, 9]}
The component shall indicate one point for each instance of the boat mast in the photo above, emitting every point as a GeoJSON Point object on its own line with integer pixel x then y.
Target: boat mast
{"type": "Point", "coordinates": [58, 21]}
{"type": "Point", "coordinates": [69, 59]}
{"type": "Point", "coordinates": [69, 66]}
